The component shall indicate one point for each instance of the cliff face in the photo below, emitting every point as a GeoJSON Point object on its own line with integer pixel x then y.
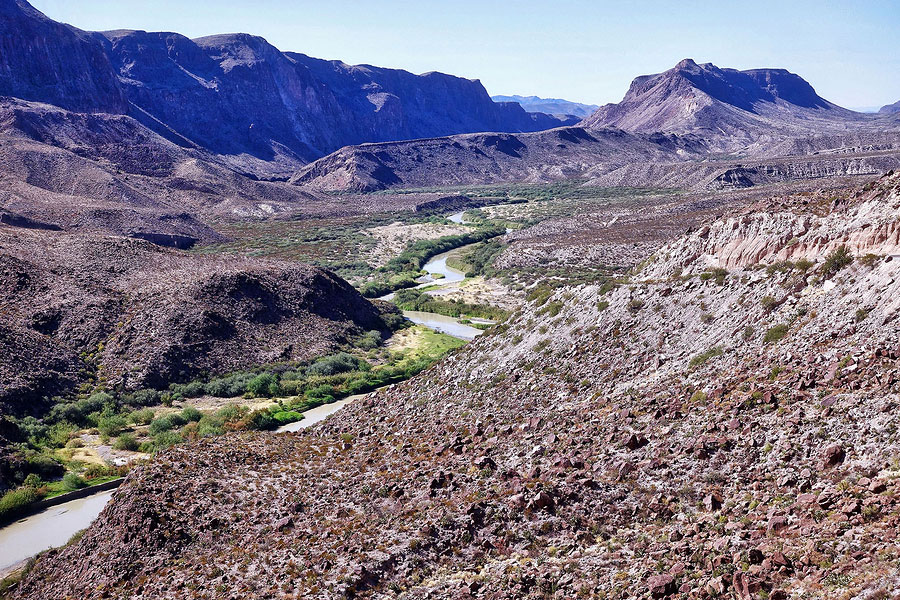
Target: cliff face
{"type": "Point", "coordinates": [46, 61]}
{"type": "Point", "coordinates": [236, 94]}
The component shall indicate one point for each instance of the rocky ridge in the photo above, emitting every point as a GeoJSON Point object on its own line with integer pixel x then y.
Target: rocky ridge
{"type": "Point", "coordinates": [131, 314]}
{"type": "Point", "coordinates": [649, 439]}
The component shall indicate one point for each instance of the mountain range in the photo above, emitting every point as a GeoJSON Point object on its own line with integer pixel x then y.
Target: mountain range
{"type": "Point", "coordinates": [553, 106]}
{"type": "Point", "coordinates": [236, 95]}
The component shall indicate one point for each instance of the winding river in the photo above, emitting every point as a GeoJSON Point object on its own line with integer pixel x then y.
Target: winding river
{"type": "Point", "coordinates": [54, 526]}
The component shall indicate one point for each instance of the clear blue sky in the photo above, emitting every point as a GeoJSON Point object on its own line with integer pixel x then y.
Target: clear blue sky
{"type": "Point", "coordinates": [582, 50]}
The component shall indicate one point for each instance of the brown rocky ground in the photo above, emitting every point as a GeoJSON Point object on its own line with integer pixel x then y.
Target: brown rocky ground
{"type": "Point", "coordinates": [652, 440]}
{"type": "Point", "coordinates": [87, 308]}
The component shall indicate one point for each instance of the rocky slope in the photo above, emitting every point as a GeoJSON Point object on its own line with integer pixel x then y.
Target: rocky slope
{"type": "Point", "coordinates": [563, 153]}
{"type": "Point", "coordinates": [81, 307]}
{"type": "Point", "coordinates": [891, 108]}
{"type": "Point", "coordinates": [647, 440]}
{"type": "Point", "coordinates": [551, 106]}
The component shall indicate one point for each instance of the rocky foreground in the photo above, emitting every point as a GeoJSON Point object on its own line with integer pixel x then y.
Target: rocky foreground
{"type": "Point", "coordinates": [723, 425]}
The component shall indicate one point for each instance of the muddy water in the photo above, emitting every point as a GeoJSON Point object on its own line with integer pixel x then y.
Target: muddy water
{"type": "Point", "coordinates": [49, 528]}
{"type": "Point", "coordinates": [443, 324]}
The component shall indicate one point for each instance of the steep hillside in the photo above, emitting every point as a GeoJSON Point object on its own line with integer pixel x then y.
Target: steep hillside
{"type": "Point", "coordinates": [46, 61]}
{"type": "Point", "coordinates": [733, 110]}
{"type": "Point", "coordinates": [79, 308]}
{"type": "Point", "coordinates": [724, 423]}
{"type": "Point", "coordinates": [891, 108]}
{"type": "Point", "coordinates": [552, 106]}
{"type": "Point", "coordinates": [562, 153]}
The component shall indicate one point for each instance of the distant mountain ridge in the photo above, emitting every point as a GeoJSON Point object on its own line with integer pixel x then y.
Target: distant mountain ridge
{"type": "Point", "coordinates": [236, 94]}
{"type": "Point", "coordinates": [731, 108]}
{"type": "Point", "coordinates": [553, 106]}
{"type": "Point", "coordinates": [890, 108]}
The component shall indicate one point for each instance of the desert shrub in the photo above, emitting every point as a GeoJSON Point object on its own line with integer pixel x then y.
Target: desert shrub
{"type": "Point", "coordinates": [33, 480]}
{"type": "Point", "coordinates": [602, 305]}
{"type": "Point", "coordinates": [836, 260]}
{"type": "Point", "coordinates": [75, 443]}
{"type": "Point", "coordinates": [748, 332]}
{"type": "Point", "coordinates": [72, 482]}
{"type": "Point", "coordinates": [161, 424]}
{"type": "Point", "coordinates": [804, 265]}
{"type": "Point", "coordinates": [768, 303]}
{"type": "Point", "coordinates": [229, 386]}
{"type": "Point", "coordinates": [145, 398]}
{"type": "Point", "coordinates": [166, 439]}
{"type": "Point", "coordinates": [45, 466]}
{"type": "Point", "coordinates": [142, 417]}
{"type": "Point", "coordinates": [261, 420]}
{"type": "Point", "coordinates": [264, 385]}
{"type": "Point", "coordinates": [110, 425]}
{"type": "Point", "coordinates": [700, 359]}
{"type": "Point", "coordinates": [368, 341]}
{"type": "Point", "coordinates": [191, 414]}
{"type": "Point", "coordinates": [717, 274]}
{"type": "Point", "coordinates": [126, 441]}
{"type": "Point", "coordinates": [14, 501]}
{"type": "Point", "coordinates": [635, 305]}
{"type": "Point", "coordinates": [210, 425]}
{"type": "Point", "coordinates": [193, 389]}
{"type": "Point", "coordinates": [231, 413]}
{"type": "Point", "coordinates": [321, 392]}
{"type": "Point", "coordinates": [341, 362]}
{"type": "Point", "coordinates": [861, 315]}
{"type": "Point", "coordinates": [94, 471]}
{"type": "Point", "coordinates": [776, 333]}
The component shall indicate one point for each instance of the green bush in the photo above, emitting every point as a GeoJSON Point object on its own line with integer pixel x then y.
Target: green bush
{"type": "Point", "coordinates": [190, 414]}
{"type": "Point", "coordinates": [230, 386]}
{"type": "Point", "coordinates": [161, 424]}
{"type": "Point", "coordinates": [775, 333]}
{"type": "Point", "coordinates": [341, 362]}
{"type": "Point", "coordinates": [283, 417]}
{"type": "Point", "coordinates": [14, 501]}
{"type": "Point", "coordinates": [126, 441]}
{"type": "Point", "coordinates": [836, 260]}
{"type": "Point", "coordinates": [700, 359]}
{"type": "Point", "coordinates": [264, 385]}
{"type": "Point", "coordinates": [368, 341]}
{"type": "Point", "coordinates": [72, 482]}
{"type": "Point", "coordinates": [210, 425]}
{"type": "Point", "coordinates": [261, 420]}
{"type": "Point", "coordinates": [110, 425]}
{"type": "Point", "coordinates": [45, 466]}
{"type": "Point", "coordinates": [166, 439]}
{"type": "Point", "coordinates": [193, 389]}
{"type": "Point", "coordinates": [142, 417]}
{"type": "Point", "coordinates": [145, 398]}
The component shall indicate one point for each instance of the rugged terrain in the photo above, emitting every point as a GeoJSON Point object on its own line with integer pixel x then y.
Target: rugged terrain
{"type": "Point", "coordinates": [82, 309]}
{"type": "Point", "coordinates": [261, 110]}
{"type": "Point", "coordinates": [722, 423]}
{"type": "Point", "coordinates": [694, 126]}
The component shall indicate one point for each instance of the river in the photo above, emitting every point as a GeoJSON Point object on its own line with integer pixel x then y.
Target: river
{"type": "Point", "coordinates": [49, 528]}
{"type": "Point", "coordinates": [54, 526]}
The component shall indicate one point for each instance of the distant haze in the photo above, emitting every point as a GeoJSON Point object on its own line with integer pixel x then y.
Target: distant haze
{"type": "Point", "coordinates": [580, 50]}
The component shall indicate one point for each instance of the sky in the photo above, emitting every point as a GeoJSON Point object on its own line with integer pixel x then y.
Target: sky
{"type": "Point", "coordinates": [581, 50]}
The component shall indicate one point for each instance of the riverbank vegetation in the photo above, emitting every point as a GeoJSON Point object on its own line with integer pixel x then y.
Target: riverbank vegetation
{"type": "Point", "coordinates": [418, 300]}
{"type": "Point", "coordinates": [401, 271]}
{"type": "Point", "coordinates": [67, 447]}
